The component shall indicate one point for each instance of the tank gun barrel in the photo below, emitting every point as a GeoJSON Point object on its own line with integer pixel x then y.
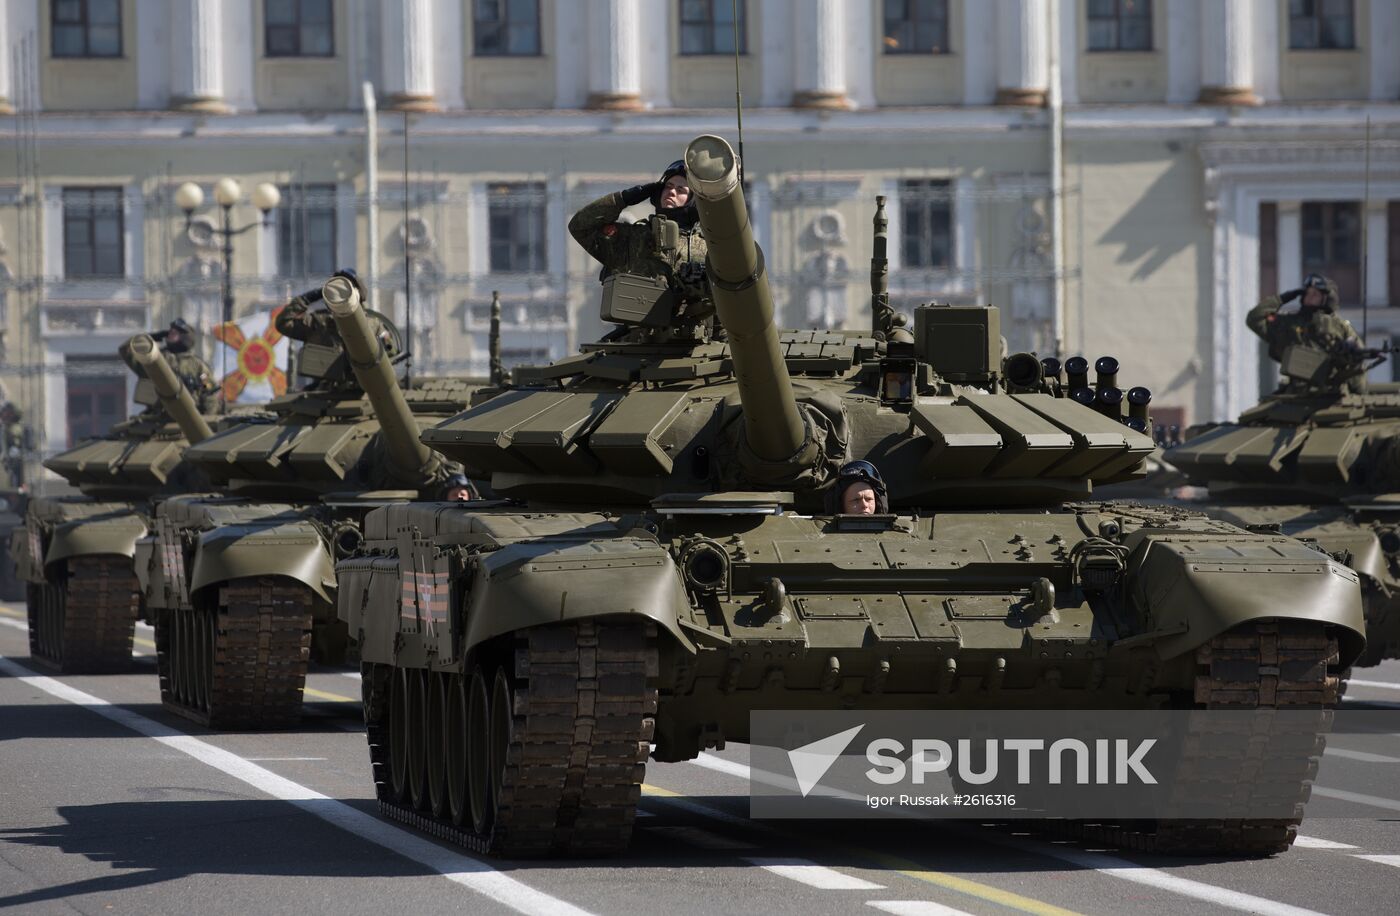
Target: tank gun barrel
{"type": "Point", "coordinates": [174, 396]}
{"type": "Point", "coordinates": [375, 373]}
{"type": "Point", "coordinates": [774, 428]}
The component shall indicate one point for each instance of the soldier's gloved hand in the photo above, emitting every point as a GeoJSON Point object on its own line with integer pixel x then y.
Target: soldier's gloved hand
{"type": "Point", "coordinates": [1289, 296]}
{"type": "Point", "coordinates": [638, 193]}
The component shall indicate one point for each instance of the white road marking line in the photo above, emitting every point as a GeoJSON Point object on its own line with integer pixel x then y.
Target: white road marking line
{"type": "Point", "coordinates": [468, 872]}
{"type": "Point", "coordinates": [1115, 867]}
{"type": "Point", "coordinates": [1384, 860]}
{"type": "Point", "coordinates": [720, 765]}
{"type": "Point", "coordinates": [355, 675]}
{"type": "Point", "coordinates": [272, 759]}
{"type": "Point", "coordinates": [1359, 755]}
{"type": "Point", "coordinates": [1312, 842]}
{"type": "Point", "coordinates": [1379, 685]}
{"type": "Point", "coordinates": [915, 908]}
{"type": "Point", "coordinates": [1375, 801]}
{"type": "Point", "coordinates": [16, 624]}
{"type": "Point", "coordinates": [1120, 868]}
{"type": "Point", "coordinates": [700, 838]}
{"type": "Point", "coordinates": [811, 874]}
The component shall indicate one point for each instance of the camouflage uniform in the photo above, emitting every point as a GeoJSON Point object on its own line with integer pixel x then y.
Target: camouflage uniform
{"type": "Point", "coordinates": [13, 447]}
{"type": "Point", "coordinates": [630, 248]}
{"type": "Point", "coordinates": [1317, 327]}
{"type": "Point", "coordinates": [301, 321]}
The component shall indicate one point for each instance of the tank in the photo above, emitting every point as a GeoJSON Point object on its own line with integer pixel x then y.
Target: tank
{"type": "Point", "coordinates": [670, 564]}
{"type": "Point", "coordinates": [241, 583]}
{"type": "Point", "coordinates": [1318, 461]}
{"type": "Point", "coordinates": [75, 553]}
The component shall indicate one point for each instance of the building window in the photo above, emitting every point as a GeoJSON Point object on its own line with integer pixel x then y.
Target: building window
{"type": "Point", "coordinates": [96, 396]}
{"type": "Point", "coordinates": [93, 233]}
{"type": "Point", "coordinates": [1332, 245]}
{"type": "Point", "coordinates": [1321, 24]}
{"type": "Point", "coordinates": [916, 27]}
{"type": "Point", "coordinates": [86, 28]}
{"type": "Point", "coordinates": [306, 231]}
{"type": "Point", "coordinates": [708, 27]}
{"type": "Point", "coordinates": [298, 28]}
{"type": "Point", "coordinates": [926, 224]}
{"type": "Point", "coordinates": [1120, 25]}
{"type": "Point", "coordinates": [516, 228]}
{"type": "Point", "coordinates": [506, 28]}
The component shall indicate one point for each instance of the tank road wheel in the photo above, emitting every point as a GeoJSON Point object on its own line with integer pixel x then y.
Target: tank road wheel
{"type": "Point", "coordinates": [1273, 665]}
{"type": "Point", "coordinates": [436, 742]}
{"type": "Point", "coordinates": [455, 736]}
{"type": "Point", "coordinates": [398, 736]}
{"type": "Point", "coordinates": [483, 805]}
{"type": "Point", "coordinates": [418, 738]}
{"type": "Point", "coordinates": [84, 623]}
{"type": "Point", "coordinates": [240, 661]}
{"type": "Point", "coordinates": [556, 742]}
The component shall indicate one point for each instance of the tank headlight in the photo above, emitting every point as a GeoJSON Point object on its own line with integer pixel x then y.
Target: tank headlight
{"type": "Point", "coordinates": [705, 566]}
{"type": "Point", "coordinates": [1390, 541]}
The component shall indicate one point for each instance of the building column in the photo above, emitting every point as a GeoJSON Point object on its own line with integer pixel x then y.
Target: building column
{"type": "Point", "coordinates": [407, 47]}
{"type": "Point", "coordinates": [197, 56]}
{"type": "Point", "coordinates": [1377, 252]}
{"type": "Point", "coordinates": [1227, 53]}
{"type": "Point", "coordinates": [1023, 73]}
{"type": "Point", "coordinates": [1290, 246]}
{"type": "Point", "coordinates": [614, 61]}
{"type": "Point", "coordinates": [7, 96]}
{"type": "Point", "coordinates": [819, 28]}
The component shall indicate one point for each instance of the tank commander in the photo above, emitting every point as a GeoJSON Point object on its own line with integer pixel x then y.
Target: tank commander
{"type": "Point", "coordinates": [302, 319]}
{"type": "Point", "coordinates": [177, 344]}
{"type": "Point", "coordinates": [1315, 323]}
{"type": "Point", "coordinates": [641, 247]}
{"type": "Point", "coordinates": [859, 490]}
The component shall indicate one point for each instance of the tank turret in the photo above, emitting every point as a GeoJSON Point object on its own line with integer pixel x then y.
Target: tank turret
{"type": "Point", "coordinates": [174, 396]}
{"type": "Point", "coordinates": [410, 459]}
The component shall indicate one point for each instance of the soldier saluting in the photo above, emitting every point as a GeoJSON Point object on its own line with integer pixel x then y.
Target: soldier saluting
{"type": "Point", "coordinates": [667, 245]}
{"type": "Point", "coordinates": [177, 346]}
{"type": "Point", "coordinates": [1315, 324]}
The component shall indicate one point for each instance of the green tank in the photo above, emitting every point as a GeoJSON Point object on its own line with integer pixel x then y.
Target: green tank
{"type": "Point", "coordinates": [671, 563]}
{"type": "Point", "coordinates": [75, 553]}
{"type": "Point", "coordinates": [1318, 461]}
{"type": "Point", "coordinates": [241, 583]}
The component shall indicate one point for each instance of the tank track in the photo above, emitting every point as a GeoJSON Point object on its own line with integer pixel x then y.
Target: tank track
{"type": "Point", "coordinates": [1277, 665]}
{"type": "Point", "coordinates": [240, 664]}
{"type": "Point", "coordinates": [583, 719]}
{"type": "Point", "coordinates": [85, 624]}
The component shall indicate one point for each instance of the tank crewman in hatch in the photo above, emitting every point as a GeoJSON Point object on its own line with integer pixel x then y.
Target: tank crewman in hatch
{"type": "Point", "coordinates": [177, 344]}
{"type": "Point", "coordinates": [859, 490]}
{"type": "Point", "coordinates": [16, 444]}
{"type": "Point", "coordinates": [633, 247]}
{"type": "Point", "coordinates": [1315, 323]}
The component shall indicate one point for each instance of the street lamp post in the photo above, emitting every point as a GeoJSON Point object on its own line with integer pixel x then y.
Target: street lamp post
{"type": "Point", "coordinates": [189, 196]}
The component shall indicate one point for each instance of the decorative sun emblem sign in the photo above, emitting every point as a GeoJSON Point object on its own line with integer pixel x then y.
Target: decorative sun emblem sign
{"type": "Point", "coordinates": [251, 357]}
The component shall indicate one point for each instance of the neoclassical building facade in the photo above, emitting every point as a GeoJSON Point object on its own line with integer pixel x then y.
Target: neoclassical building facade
{"type": "Point", "coordinates": [1122, 177]}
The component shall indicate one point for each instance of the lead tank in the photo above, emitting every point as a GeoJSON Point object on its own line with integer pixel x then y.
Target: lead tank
{"type": "Point", "coordinates": [1320, 461]}
{"type": "Point", "coordinates": [75, 553]}
{"type": "Point", "coordinates": [670, 565]}
{"type": "Point", "coordinates": [241, 583]}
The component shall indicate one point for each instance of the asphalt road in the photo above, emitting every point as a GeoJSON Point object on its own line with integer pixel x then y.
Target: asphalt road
{"type": "Point", "coordinates": [110, 805]}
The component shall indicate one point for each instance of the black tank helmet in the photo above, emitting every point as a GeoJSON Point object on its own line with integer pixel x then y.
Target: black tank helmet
{"type": "Point", "coordinates": [687, 216]}
{"type": "Point", "coordinates": [859, 471]}
{"type": "Point", "coordinates": [1330, 297]}
{"type": "Point", "coordinates": [184, 336]}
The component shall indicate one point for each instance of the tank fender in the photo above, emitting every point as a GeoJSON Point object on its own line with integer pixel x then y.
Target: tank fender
{"type": "Point", "coordinates": [368, 589]}
{"type": "Point", "coordinates": [1367, 557]}
{"type": "Point", "coordinates": [112, 536]}
{"type": "Point", "coordinates": [548, 581]}
{"type": "Point", "coordinates": [1192, 591]}
{"type": "Point", "coordinates": [294, 550]}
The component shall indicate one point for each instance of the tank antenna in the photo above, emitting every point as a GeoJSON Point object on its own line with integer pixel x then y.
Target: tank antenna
{"type": "Point", "coordinates": [738, 94]}
{"type": "Point", "coordinates": [407, 269]}
{"type": "Point", "coordinates": [497, 372]}
{"type": "Point", "coordinates": [1365, 244]}
{"type": "Point", "coordinates": [880, 271]}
